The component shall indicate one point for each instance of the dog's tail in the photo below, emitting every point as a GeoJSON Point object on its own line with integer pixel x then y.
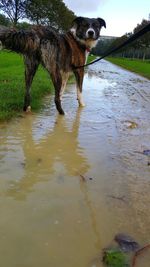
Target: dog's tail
{"type": "Point", "coordinates": [20, 41]}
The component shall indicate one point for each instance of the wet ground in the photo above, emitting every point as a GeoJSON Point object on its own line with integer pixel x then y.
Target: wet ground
{"type": "Point", "coordinates": [69, 184]}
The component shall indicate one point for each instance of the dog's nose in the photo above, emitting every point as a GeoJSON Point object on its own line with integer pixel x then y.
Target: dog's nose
{"type": "Point", "coordinates": [90, 33]}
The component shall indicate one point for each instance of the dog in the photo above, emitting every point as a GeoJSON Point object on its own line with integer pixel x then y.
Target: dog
{"type": "Point", "coordinates": [59, 54]}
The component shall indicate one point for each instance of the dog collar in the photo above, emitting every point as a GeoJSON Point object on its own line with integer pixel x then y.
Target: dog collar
{"type": "Point", "coordinates": [88, 49]}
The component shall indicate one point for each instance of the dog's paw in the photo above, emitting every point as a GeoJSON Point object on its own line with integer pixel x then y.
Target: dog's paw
{"type": "Point", "coordinates": [28, 109]}
{"type": "Point", "coordinates": [81, 104]}
{"type": "Point", "coordinates": [61, 112]}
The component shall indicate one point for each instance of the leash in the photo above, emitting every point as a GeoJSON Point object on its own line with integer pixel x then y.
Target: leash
{"type": "Point", "coordinates": [128, 41]}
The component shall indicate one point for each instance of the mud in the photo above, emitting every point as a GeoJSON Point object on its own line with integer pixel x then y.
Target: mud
{"type": "Point", "coordinates": [50, 215]}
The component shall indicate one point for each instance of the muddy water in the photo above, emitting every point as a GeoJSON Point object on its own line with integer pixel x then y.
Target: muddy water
{"type": "Point", "coordinates": [69, 184]}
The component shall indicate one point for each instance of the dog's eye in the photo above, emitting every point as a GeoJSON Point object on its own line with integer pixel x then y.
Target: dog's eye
{"type": "Point", "coordinates": [85, 24]}
{"type": "Point", "coordinates": [95, 25]}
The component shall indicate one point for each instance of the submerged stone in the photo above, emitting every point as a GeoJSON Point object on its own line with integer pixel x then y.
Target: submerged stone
{"type": "Point", "coordinates": [146, 152]}
{"type": "Point", "coordinates": [126, 243]}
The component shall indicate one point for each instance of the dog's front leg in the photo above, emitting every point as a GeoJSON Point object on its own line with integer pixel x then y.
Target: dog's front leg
{"type": "Point", "coordinates": [79, 73]}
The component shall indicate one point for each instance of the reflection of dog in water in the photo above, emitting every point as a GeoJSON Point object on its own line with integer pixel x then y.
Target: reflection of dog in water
{"type": "Point", "coordinates": [59, 141]}
{"type": "Point", "coordinates": [58, 53]}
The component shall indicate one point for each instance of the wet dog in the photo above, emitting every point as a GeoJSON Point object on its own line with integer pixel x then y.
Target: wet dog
{"type": "Point", "coordinates": [58, 53]}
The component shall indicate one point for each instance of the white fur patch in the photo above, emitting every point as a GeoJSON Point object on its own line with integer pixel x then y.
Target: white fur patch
{"type": "Point", "coordinates": [65, 77]}
{"type": "Point", "coordinates": [79, 98]}
{"type": "Point", "coordinates": [86, 55]}
{"type": "Point", "coordinates": [73, 31]}
{"type": "Point", "coordinates": [90, 43]}
{"type": "Point", "coordinates": [28, 110]}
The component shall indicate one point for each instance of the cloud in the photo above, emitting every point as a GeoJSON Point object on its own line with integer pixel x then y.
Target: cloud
{"type": "Point", "coordinates": [83, 7]}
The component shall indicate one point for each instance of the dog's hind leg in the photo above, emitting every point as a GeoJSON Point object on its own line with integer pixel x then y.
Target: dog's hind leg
{"type": "Point", "coordinates": [79, 73]}
{"type": "Point", "coordinates": [31, 65]}
{"type": "Point", "coordinates": [65, 77]}
{"type": "Point", "coordinates": [58, 85]}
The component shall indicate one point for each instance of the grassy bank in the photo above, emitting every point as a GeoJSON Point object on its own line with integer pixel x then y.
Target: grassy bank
{"type": "Point", "coordinates": [137, 66]}
{"type": "Point", "coordinates": [12, 86]}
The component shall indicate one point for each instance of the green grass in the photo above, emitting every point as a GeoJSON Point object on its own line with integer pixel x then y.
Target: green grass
{"type": "Point", "coordinates": [137, 66]}
{"type": "Point", "coordinates": [115, 258]}
{"type": "Point", "coordinates": [91, 58]}
{"type": "Point", "coordinates": [12, 86]}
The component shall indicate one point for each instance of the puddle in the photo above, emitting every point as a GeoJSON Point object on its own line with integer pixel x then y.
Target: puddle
{"type": "Point", "coordinates": [50, 215]}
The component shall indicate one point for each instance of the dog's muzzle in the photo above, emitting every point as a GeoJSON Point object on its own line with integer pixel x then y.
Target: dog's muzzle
{"type": "Point", "coordinates": [90, 33]}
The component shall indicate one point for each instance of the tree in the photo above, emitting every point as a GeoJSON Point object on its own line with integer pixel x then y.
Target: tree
{"type": "Point", "coordinates": [145, 39]}
{"type": "Point", "coordinates": [49, 12]}
{"type": "Point", "coordinates": [35, 10]}
{"type": "Point", "coordinates": [14, 9]}
{"type": "Point", "coordinates": [102, 46]}
{"type": "Point", "coordinates": [4, 21]}
{"type": "Point", "coordinates": [143, 42]}
{"type": "Point", "coordinates": [140, 48]}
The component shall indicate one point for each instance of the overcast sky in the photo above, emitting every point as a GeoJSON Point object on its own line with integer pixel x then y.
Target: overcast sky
{"type": "Point", "coordinates": [120, 16]}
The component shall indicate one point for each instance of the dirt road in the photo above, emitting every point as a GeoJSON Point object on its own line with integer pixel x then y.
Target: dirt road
{"type": "Point", "coordinates": [69, 184]}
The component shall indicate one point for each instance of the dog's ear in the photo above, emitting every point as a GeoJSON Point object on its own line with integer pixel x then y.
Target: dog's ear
{"type": "Point", "coordinates": [102, 22]}
{"type": "Point", "coordinates": [77, 20]}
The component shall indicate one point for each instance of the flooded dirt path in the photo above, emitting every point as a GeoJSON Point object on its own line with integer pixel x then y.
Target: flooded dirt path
{"type": "Point", "coordinates": [69, 184]}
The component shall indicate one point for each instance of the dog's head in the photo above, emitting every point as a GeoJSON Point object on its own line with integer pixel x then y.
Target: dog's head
{"type": "Point", "coordinates": [86, 30]}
